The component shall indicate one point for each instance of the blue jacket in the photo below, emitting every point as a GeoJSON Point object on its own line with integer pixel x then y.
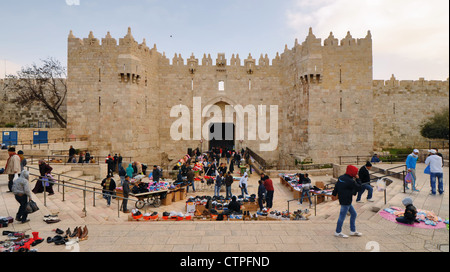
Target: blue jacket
{"type": "Point", "coordinates": [411, 162]}
{"type": "Point", "coordinates": [130, 170]}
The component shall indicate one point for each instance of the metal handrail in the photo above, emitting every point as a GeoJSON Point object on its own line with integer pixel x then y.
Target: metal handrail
{"type": "Point", "coordinates": [388, 175]}
{"type": "Point", "coordinates": [84, 193]}
{"type": "Point", "coordinates": [64, 159]}
{"type": "Point", "coordinates": [385, 170]}
{"type": "Point", "coordinates": [62, 175]}
{"type": "Point", "coordinates": [368, 157]}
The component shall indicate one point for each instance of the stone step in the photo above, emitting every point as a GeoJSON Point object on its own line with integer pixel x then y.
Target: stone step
{"type": "Point", "coordinates": [71, 210]}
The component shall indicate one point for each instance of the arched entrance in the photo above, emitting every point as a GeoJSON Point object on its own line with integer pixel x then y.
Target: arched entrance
{"type": "Point", "coordinates": [221, 134]}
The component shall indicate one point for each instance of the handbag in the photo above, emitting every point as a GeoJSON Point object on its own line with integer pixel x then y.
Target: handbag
{"type": "Point", "coordinates": [408, 178]}
{"type": "Point", "coordinates": [32, 207]}
{"type": "Point", "coordinates": [45, 182]}
{"type": "Point", "coordinates": [427, 170]}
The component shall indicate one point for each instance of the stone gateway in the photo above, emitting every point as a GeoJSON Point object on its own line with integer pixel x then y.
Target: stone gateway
{"type": "Point", "coordinates": [124, 96]}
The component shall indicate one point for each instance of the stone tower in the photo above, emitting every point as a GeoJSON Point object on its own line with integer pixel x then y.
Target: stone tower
{"type": "Point", "coordinates": [121, 96]}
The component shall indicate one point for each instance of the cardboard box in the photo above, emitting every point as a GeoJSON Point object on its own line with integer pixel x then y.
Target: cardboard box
{"type": "Point", "coordinates": [320, 199]}
{"type": "Point", "coordinates": [168, 200]}
{"type": "Point", "coordinates": [200, 208]}
{"type": "Point", "coordinates": [251, 206]}
{"type": "Point", "coordinates": [176, 196]}
{"type": "Point", "coordinates": [182, 193]}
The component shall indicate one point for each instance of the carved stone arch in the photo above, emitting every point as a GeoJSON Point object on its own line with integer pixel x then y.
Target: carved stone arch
{"type": "Point", "coordinates": [218, 99]}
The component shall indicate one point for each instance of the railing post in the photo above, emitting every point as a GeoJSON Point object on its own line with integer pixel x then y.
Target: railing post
{"type": "Point", "coordinates": [118, 207]}
{"type": "Point", "coordinates": [315, 205]}
{"type": "Point", "coordinates": [59, 181]}
{"type": "Point", "coordinates": [404, 183]}
{"type": "Point", "coordinates": [84, 202]}
{"type": "Point", "coordinates": [45, 195]}
{"type": "Point", "coordinates": [64, 191]}
{"type": "Point", "coordinates": [94, 196]}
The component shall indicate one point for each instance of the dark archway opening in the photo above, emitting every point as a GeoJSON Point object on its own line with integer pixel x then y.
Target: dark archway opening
{"type": "Point", "coordinates": [221, 135]}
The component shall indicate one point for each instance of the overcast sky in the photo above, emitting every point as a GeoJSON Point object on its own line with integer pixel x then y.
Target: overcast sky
{"type": "Point", "coordinates": [410, 37]}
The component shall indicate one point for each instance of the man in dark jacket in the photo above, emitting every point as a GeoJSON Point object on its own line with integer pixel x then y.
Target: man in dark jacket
{"type": "Point", "coordinates": [228, 182]}
{"type": "Point", "coordinates": [155, 173]}
{"type": "Point", "coordinates": [234, 206]}
{"type": "Point", "coordinates": [261, 194]}
{"type": "Point", "coordinates": [346, 187]}
{"type": "Point", "coordinates": [126, 194]}
{"type": "Point", "coordinates": [219, 181]}
{"type": "Point", "coordinates": [72, 152]}
{"type": "Point", "coordinates": [108, 185]}
{"type": "Point", "coordinates": [190, 179]}
{"type": "Point", "coordinates": [364, 176]}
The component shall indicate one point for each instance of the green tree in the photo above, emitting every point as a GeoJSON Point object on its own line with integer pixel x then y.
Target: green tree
{"type": "Point", "coordinates": [437, 127]}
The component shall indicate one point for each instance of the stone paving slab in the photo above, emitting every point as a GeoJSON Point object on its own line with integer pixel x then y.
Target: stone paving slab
{"type": "Point", "coordinates": [314, 235]}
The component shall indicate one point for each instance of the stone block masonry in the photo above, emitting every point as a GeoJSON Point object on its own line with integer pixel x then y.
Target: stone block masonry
{"type": "Point", "coordinates": [120, 93]}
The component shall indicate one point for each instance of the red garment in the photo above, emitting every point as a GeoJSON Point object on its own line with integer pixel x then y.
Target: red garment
{"type": "Point", "coordinates": [352, 171]}
{"type": "Point", "coordinates": [268, 184]}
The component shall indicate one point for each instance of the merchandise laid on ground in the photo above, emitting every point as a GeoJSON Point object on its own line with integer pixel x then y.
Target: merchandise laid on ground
{"type": "Point", "coordinates": [292, 181]}
{"type": "Point", "coordinates": [424, 219]}
{"type": "Point", "coordinates": [19, 241]}
{"type": "Point", "coordinates": [207, 208]}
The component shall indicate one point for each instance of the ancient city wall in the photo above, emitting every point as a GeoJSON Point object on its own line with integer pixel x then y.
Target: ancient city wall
{"type": "Point", "coordinates": [401, 107]}
{"type": "Point", "coordinates": [34, 115]}
{"type": "Point", "coordinates": [121, 93]}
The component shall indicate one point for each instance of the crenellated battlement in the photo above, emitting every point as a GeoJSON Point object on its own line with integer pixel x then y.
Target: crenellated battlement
{"type": "Point", "coordinates": [310, 47]}
{"type": "Point", "coordinates": [421, 84]}
{"type": "Point", "coordinates": [108, 42]}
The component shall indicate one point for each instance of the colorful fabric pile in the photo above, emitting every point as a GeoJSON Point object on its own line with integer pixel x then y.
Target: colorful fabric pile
{"type": "Point", "coordinates": [426, 219]}
{"type": "Point", "coordinates": [183, 160]}
{"type": "Point", "coordinates": [158, 186]}
{"type": "Point", "coordinates": [198, 166]}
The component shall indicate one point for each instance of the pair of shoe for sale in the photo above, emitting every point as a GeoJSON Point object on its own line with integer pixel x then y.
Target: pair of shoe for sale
{"type": "Point", "coordinates": [78, 234]}
{"type": "Point", "coordinates": [246, 214]}
{"type": "Point", "coordinates": [51, 219]}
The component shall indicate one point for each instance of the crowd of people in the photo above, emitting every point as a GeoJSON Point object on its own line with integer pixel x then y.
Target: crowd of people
{"type": "Point", "coordinates": [355, 182]}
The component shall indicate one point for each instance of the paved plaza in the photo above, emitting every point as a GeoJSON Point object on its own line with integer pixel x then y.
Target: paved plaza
{"type": "Point", "coordinates": [110, 233]}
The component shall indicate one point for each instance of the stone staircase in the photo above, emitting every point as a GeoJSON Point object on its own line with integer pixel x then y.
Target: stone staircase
{"type": "Point", "coordinates": [329, 210]}
{"type": "Point", "coordinates": [71, 209]}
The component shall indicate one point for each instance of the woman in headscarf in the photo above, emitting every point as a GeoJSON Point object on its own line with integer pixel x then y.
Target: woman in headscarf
{"type": "Point", "coordinates": [22, 194]}
{"type": "Point", "coordinates": [44, 171]}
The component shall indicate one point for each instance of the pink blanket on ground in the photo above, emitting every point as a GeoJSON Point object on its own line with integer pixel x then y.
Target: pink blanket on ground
{"type": "Point", "coordinates": [422, 225]}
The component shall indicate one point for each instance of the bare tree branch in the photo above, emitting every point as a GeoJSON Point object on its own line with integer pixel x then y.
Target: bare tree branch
{"type": "Point", "coordinates": [44, 84]}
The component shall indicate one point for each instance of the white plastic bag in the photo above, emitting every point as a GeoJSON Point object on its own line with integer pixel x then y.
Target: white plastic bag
{"type": "Point", "coordinates": [381, 185]}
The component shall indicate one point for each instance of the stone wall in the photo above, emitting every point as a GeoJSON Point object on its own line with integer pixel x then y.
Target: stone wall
{"type": "Point", "coordinates": [22, 116]}
{"type": "Point", "coordinates": [121, 95]}
{"type": "Point", "coordinates": [401, 107]}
